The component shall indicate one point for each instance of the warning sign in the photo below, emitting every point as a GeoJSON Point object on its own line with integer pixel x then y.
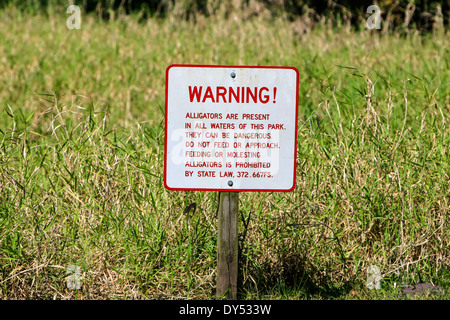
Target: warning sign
{"type": "Point", "coordinates": [230, 128]}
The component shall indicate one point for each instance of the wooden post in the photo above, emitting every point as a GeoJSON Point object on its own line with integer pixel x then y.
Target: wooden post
{"type": "Point", "coordinates": [227, 245]}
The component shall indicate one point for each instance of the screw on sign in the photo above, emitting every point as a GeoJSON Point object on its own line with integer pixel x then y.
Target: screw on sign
{"type": "Point", "coordinates": [230, 129]}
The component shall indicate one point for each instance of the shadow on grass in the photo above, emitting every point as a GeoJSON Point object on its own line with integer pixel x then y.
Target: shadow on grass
{"type": "Point", "coordinates": [290, 276]}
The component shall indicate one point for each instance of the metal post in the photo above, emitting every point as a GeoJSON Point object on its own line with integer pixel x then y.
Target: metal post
{"type": "Point", "coordinates": [227, 245]}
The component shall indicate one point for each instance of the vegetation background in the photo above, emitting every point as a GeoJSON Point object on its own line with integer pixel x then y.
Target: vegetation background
{"type": "Point", "coordinates": [83, 210]}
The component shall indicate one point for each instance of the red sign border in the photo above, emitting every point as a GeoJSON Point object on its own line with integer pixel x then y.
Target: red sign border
{"type": "Point", "coordinates": [229, 66]}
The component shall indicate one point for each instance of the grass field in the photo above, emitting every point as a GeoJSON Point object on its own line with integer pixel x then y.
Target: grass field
{"type": "Point", "coordinates": [81, 161]}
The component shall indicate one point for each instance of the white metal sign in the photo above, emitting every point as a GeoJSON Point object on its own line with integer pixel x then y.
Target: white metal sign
{"type": "Point", "coordinates": [231, 128]}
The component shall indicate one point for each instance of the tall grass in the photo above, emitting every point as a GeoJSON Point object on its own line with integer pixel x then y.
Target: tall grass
{"type": "Point", "coordinates": [81, 161]}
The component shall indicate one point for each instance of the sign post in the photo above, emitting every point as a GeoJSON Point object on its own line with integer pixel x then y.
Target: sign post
{"type": "Point", "coordinates": [230, 129]}
{"type": "Point", "coordinates": [227, 245]}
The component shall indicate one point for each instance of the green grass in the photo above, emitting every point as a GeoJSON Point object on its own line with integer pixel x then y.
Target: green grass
{"type": "Point", "coordinates": [82, 145]}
